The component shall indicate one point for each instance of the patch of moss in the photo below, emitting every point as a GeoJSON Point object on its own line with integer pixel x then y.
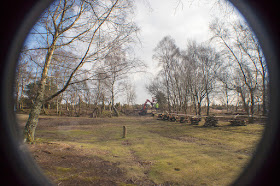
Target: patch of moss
{"type": "Point", "coordinates": [63, 169]}
{"type": "Point", "coordinates": [73, 176]}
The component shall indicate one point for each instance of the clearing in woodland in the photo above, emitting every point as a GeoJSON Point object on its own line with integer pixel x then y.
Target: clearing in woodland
{"type": "Point", "coordinates": [91, 151]}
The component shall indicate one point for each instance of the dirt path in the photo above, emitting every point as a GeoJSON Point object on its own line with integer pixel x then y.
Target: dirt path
{"type": "Point", "coordinates": [146, 165]}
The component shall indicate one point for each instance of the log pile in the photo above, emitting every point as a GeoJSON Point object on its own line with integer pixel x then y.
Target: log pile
{"type": "Point", "coordinates": [182, 119]}
{"type": "Point", "coordinates": [173, 117]}
{"type": "Point", "coordinates": [211, 121]}
{"type": "Point", "coordinates": [195, 120]}
{"type": "Point", "coordinates": [160, 117]}
{"type": "Point", "coordinates": [237, 121]}
{"type": "Point", "coordinates": [165, 117]}
{"type": "Point", "coordinates": [251, 119]}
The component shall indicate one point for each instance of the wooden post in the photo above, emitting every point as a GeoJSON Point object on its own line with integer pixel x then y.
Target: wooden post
{"type": "Point", "coordinates": [124, 131]}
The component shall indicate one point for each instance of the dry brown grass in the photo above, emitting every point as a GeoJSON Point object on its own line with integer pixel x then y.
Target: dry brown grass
{"type": "Point", "coordinates": [86, 151]}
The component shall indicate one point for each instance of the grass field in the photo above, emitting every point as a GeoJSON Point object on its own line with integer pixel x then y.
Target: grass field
{"type": "Point", "coordinates": [88, 151]}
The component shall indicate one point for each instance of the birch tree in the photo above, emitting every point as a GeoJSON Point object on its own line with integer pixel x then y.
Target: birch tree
{"type": "Point", "coordinates": [95, 26]}
{"type": "Point", "coordinates": [165, 52]}
{"type": "Point", "coordinates": [242, 47]}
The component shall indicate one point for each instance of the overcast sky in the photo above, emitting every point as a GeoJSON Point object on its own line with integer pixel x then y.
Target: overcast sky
{"type": "Point", "coordinates": [160, 18]}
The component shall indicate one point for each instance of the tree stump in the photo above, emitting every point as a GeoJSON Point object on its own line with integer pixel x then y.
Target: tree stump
{"type": "Point", "coordinates": [124, 132]}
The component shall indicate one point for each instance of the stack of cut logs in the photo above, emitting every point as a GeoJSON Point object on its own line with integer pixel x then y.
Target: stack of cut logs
{"type": "Point", "coordinates": [195, 120]}
{"type": "Point", "coordinates": [237, 121]}
{"type": "Point", "coordinates": [160, 117]}
{"type": "Point", "coordinates": [251, 119]}
{"type": "Point", "coordinates": [168, 117]}
{"type": "Point", "coordinates": [165, 117]}
{"type": "Point", "coordinates": [182, 119]}
{"type": "Point", "coordinates": [173, 117]}
{"type": "Point", "coordinates": [210, 121]}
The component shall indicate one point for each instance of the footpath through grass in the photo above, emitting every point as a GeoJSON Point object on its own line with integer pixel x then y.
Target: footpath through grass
{"type": "Point", "coordinates": [154, 152]}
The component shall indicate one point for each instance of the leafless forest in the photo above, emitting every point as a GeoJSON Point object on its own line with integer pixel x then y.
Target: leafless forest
{"type": "Point", "coordinates": [229, 70]}
{"type": "Point", "coordinates": [78, 57]}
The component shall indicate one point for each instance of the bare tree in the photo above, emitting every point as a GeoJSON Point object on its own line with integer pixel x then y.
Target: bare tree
{"type": "Point", "coordinates": [187, 74]}
{"type": "Point", "coordinates": [249, 45]}
{"type": "Point", "coordinates": [165, 53]}
{"type": "Point", "coordinates": [203, 63]}
{"type": "Point", "coordinates": [130, 92]}
{"type": "Point", "coordinates": [65, 24]}
{"type": "Point", "coordinates": [157, 89]}
{"type": "Point", "coordinates": [211, 64]}
{"type": "Point", "coordinates": [117, 66]}
{"type": "Point", "coordinates": [237, 43]}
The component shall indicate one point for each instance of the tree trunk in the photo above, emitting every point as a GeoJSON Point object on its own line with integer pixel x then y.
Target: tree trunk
{"type": "Point", "coordinates": [245, 106]}
{"type": "Point", "coordinates": [237, 103]}
{"type": "Point", "coordinates": [195, 109]}
{"type": "Point", "coordinates": [252, 101]}
{"type": "Point", "coordinates": [168, 92]}
{"type": "Point", "coordinates": [116, 111]}
{"type": "Point", "coordinates": [32, 122]}
{"type": "Point", "coordinates": [186, 105]}
{"type": "Point", "coordinates": [199, 108]}
{"type": "Point", "coordinates": [79, 110]}
{"type": "Point", "coordinates": [227, 96]}
{"type": "Point", "coordinates": [67, 106]}
{"type": "Point", "coordinates": [194, 104]}
{"type": "Point", "coordinates": [208, 103]}
{"type": "Point", "coordinates": [103, 104]}
{"type": "Point", "coordinates": [60, 108]}
{"type": "Point", "coordinates": [112, 98]}
{"type": "Point", "coordinates": [30, 127]}
{"type": "Point", "coordinates": [57, 107]}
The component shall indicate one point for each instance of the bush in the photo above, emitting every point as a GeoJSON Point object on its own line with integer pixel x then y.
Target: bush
{"type": "Point", "coordinates": [106, 114]}
{"type": "Point", "coordinates": [211, 121]}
